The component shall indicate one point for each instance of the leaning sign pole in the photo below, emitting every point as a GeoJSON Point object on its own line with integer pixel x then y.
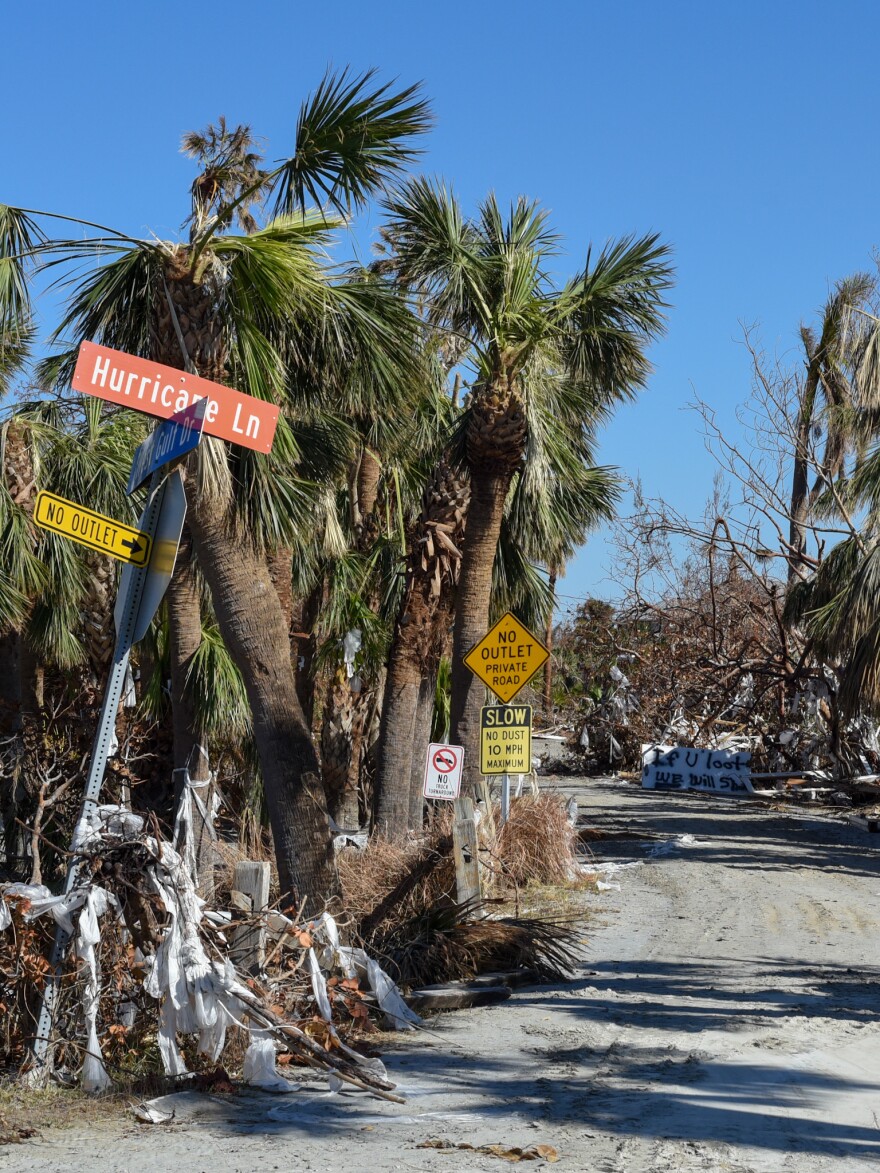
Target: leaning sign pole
{"type": "Point", "coordinates": [188, 406]}
{"type": "Point", "coordinates": [127, 622]}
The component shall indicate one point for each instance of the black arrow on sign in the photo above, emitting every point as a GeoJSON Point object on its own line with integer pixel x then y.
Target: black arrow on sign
{"type": "Point", "coordinates": [135, 546]}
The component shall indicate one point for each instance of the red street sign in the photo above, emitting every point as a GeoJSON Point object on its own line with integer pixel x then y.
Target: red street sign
{"type": "Point", "coordinates": [162, 391]}
{"type": "Point", "coordinates": [444, 761]}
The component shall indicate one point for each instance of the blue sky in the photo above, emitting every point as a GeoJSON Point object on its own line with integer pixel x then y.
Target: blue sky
{"type": "Point", "coordinates": [744, 133]}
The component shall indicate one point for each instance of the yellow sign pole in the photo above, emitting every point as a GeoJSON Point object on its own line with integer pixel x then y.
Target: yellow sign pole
{"type": "Point", "coordinates": [93, 530]}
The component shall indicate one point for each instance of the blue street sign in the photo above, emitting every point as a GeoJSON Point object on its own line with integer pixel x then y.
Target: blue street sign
{"type": "Point", "coordinates": [172, 438]}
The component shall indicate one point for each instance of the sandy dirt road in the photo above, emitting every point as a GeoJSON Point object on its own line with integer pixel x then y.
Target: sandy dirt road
{"type": "Point", "coordinates": [726, 1020]}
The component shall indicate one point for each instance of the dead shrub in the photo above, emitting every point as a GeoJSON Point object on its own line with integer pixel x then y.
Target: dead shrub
{"type": "Point", "coordinates": [403, 879]}
{"type": "Point", "coordinates": [537, 844]}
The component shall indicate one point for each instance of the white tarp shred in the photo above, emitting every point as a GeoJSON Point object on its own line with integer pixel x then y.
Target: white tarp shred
{"type": "Point", "coordinates": [258, 1068]}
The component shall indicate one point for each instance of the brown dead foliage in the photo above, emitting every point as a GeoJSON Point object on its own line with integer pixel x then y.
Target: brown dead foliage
{"type": "Point", "coordinates": [537, 844]}
{"type": "Point", "coordinates": [401, 898]}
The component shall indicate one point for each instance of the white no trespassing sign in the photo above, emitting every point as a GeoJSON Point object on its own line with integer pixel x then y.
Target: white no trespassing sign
{"type": "Point", "coordinates": [443, 771]}
{"type": "Point", "coordinates": [717, 771]}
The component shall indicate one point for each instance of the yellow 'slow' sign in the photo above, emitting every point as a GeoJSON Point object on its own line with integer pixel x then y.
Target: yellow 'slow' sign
{"type": "Point", "coordinates": [92, 529]}
{"type": "Point", "coordinates": [506, 739]}
{"type": "Point", "coordinates": [507, 657]}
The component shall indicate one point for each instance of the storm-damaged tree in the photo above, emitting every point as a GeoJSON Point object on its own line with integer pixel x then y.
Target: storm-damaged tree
{"type": "Point", "coordinates": [262, 312]}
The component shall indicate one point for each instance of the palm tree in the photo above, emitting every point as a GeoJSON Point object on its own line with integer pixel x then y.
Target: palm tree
{"type": "Point", "coordinates": [538, 353]}
{"type": "Point", "coordinates": [826, 401]}
{"type": "Point", "coordinates": [259, 310]}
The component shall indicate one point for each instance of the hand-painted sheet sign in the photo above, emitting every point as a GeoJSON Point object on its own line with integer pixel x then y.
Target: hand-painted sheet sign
{"type": "Point", "coordinates": [507, 657]}
{"type": "Point", "coordinates": [92, 529]}
{"type": "Point", "coordinates": [171, 439]}
{"type": "Point", "coordinates": [443, 771]}
{"type": "Point", "coordinates": [717, 771]}
{"type": "Point", "coordinates": [506, 739]}
{"type": "Point", "coordinates": [160, 390]}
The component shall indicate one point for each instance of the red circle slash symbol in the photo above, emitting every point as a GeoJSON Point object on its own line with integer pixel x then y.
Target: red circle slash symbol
{"type": "Point", "coordinates": [444, 761]}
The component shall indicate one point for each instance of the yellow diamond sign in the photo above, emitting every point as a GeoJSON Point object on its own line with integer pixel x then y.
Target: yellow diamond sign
{"type": "Point", "coordinates": [507, 657]}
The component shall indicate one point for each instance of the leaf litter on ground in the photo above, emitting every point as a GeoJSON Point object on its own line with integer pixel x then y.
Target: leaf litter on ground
{"type": "Point", "coordinates": [513, 1154]}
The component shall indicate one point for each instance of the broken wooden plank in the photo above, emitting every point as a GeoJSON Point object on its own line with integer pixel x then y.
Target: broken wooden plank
{"type": "Point", "coordinates": [250, 892]}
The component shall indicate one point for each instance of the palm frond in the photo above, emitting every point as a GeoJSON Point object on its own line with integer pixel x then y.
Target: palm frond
{"type": "Point", "coordinates": [112, 305]}
{"type": "Point", "coordinates": [352, 138]}
{"type": "Point", "coordinates": [19, 235]}
{"type": "Point", "coordinates": [607, 314]}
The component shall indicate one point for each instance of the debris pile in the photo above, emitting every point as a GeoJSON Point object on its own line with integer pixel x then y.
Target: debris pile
{"type": "Point", "coordinates": [150, 964]}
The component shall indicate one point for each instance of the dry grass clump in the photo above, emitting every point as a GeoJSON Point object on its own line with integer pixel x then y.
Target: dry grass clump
{"type": "Point", "coordinates": [400, 879]}
{"type": "Point", "coordinates": [401, 899]}
{"type": "Point", "coordinates": [537, 844]}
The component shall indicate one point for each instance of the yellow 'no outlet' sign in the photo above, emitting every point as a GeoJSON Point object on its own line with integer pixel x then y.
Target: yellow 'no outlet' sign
{"type": "Point", "coordinates": [507, 657]}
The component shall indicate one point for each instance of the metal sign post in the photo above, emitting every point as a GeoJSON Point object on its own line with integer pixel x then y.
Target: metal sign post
{"type": "Point", "coordinates": [97, 766]}
{"type": "Point", "coordinates": [129, 618]}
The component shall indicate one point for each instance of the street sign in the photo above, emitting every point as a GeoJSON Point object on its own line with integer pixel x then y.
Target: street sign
{"type": "Point", "coordinates": [507, 657]}
{"type": "Point", "coordinates": [506, 739]}
{"type": "Point", "coordinates": [443, 771]}
{"type": "Point", "coordinates": [159, 390]}
{"type": "Point", "coordinates": [92, 529]}
{"type": "Point", "coordinates": [126, 616]}
{"type": "Point", "coordinates": [168, 528]}
{"type": "Point", "coordinates": [169, 441]}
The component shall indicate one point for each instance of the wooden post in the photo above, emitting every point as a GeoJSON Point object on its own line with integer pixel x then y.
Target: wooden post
{"type": "Point", "coordinates": [466, 852]}
{"type": "Point", "coordinates": [248, 944]}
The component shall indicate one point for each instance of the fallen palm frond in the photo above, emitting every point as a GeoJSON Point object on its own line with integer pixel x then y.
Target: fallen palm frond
{"type": "Point", "coordinates": [453, 943]}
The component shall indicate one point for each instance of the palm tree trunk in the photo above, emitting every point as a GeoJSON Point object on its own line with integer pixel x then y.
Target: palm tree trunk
{"type": "Point", "coordinates": [421, 740]}
{"type": "Point", "coordinates": [187, 331]}
{"type": "Point", "coordinates": [10, 682]}
{"type": "Point", "coordinates": [252, 624]}
{"type": "Point", "coordinates": [473, 604]}
{"type": "Point", "coordinates": [190, 752]}
{"type": "Point", "coordinates": [797, 538]}
{"type": "Point", "coordinates": [398, 740]}
{"type": "Point", "coordinates": [419, 636]}
{"type": "Point", "coordinates": [369, 472]}
{"type": "Point", "coordinates": [336, 748]}
{"type": "Point", "coordinates": [304, 615]}
{"type": "Point", "coordinates": [280, 563]}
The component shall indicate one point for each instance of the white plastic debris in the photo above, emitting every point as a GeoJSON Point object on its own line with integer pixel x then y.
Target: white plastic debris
{"type": "Point", "coordinates": [603, 887]}
{"type": "Point", "coordinates": [147, 1113]}
{"type": "Point", "coordinates": [193, 805]}
{"type": "Point", "coordinates": [612, 869]}
{"type": "Point", "coordinates": [351, 645]}
{"type": "Point", "coordinates": [129, 693]}
{"type": "Point", "coordinates": [258, 1067]}
{"type": "Point", "coordinates": [672, 844]}
{"type": "Point", "coordinates": [94, 1077]}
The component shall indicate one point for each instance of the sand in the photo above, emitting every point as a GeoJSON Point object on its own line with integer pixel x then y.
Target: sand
{"type": "Point", "coordinates": [726, 1019]}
